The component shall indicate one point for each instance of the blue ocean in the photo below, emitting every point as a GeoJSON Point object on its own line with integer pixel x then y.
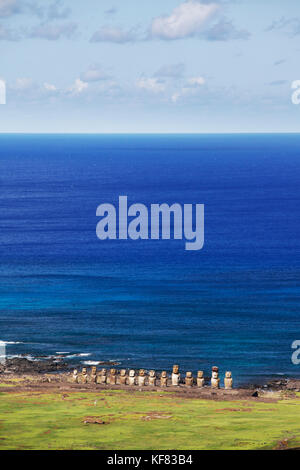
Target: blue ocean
{"type": "Point", "coordinates": [234, 304]}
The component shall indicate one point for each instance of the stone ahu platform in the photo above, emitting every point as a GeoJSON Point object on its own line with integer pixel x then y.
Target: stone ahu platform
{"type": "Point", "coordinates": [22, 375]}
{"type": "Point", "coordinates": [142, 378]}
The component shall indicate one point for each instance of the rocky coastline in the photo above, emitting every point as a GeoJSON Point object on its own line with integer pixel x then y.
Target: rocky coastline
{"type": "Point", "coordinates": [21, 366]}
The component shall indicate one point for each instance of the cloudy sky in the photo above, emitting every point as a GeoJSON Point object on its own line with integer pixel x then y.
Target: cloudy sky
{"type": "Point", "coordinates": [149, 66]}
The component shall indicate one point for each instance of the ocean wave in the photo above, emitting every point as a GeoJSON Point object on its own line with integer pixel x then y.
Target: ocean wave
{"type": "Point", "coordinates": [47, 358]}
{"type": "Point", "coordinates": [21, 356]}
{"type": "Point", "coordinates": [10, 342]}
{"type": "Point", "coordinates": [71, 356]}
{"type": "Point", "coordinates": [91, 363]}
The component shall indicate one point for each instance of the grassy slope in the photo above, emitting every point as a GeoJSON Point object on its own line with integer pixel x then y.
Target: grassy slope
{"type": "Point", "coordinates": [44, 421]}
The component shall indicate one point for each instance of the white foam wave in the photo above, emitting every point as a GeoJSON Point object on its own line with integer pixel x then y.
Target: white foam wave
{"type": "Point", "coordinates": [3, 343]}
{"type": "Point", "coordinates": [91, 363]}
{"type": "Point", "coordinates": [20, 356]}
{"type": "Point", "coordinates": [71, 356]}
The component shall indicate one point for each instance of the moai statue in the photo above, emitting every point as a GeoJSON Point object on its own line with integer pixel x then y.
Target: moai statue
{"type": "Point", "coordinates": [152, 378]}
{"type": "Point", "coordinates": [123, 377]}
{"type": "Point", "coordinates": [228, 382]}
{"type": "Point", "coordinates": [112, 378]}
{"type": "Point", "coordinates": [175, 376]}
{"type": "Point", "coordinates": [131, 378]}
{"type": "Point", "coordinates": [94, 375]}
{"type": "Point", "coordinates": [101, 379]}
{"type": "Point", "coordinates": [189, 380]}
{"type": "Point", "coordinates": [164, 379]}
{"type": "Point", "coordinates": [200, 379]}
{"type": "Point", "coordinates": [75, 378]}
{"type": "Point", "coordinates": [215, 381]}
{"type": "Point", "coordinates": [141, 378]}
{"type": "Point", "coordinates": [84, 376]}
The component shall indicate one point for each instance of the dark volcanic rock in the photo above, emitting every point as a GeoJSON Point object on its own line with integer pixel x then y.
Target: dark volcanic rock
{"type": "Point", "coordinates": [22, 365]}
{"type": "Point", "coordinates": [293, 385]}
{"type": "Point", "coordinates": [280, 384]}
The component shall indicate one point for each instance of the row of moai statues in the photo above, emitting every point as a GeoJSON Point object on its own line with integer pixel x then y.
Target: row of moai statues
{"type": "Point", "coordinates": [200, 381]}
{"type": "Point", "coordinates": [142, 379]}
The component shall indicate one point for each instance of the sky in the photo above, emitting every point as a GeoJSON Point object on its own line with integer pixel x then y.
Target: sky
{"type": "Point", "coordinates": [140, 66]}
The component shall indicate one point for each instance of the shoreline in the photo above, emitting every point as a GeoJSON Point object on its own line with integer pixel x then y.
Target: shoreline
{"type": "Point", "coordinates": [57, 371]}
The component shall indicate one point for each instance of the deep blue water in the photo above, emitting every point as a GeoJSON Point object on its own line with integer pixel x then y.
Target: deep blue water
{"type": "Point", "coordinates": [151, 303]}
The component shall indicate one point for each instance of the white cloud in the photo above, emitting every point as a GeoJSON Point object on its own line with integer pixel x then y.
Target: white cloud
{"type": "Point", "coordinates": [23, 84]}
{"type": "Point", "coordinates": [13, 7]}
{"type": "Point", "coordinates": [113, 34]}
{"type": "Point", "coordinates": [8, 34]}
{"type": "Point", "coordinates": [56, 11]}
{"type": "Point", "coordinates": [50, 87]}
{"type": "Point", "coordinates": [111, 11]}
{"type": "Point", "coordinates": [95, 73]}
{"type": "Point", "coordinates": [175, 97]}
{"type": "Point", "coordinates": [196, 81]}
{"type": "Point", "coordinates": [290, 26]}
{"type": "Point", "coordinates": [185, 91]}
{"type": "Point", "coordinates": [191, 87]}
{"type": "Point", "coordinates": [78, 87]}
{"type": "Point", "coordinates": [187, 20]}
{"type": "Point", "coordinates": [24, 88]}
{"type": "Point", "coordinates": [279, 62]}
{"type": "Point", "coordinates": [224, 30]}
{"type": "Point", "coordinates": [52, 32]}
{"type": "Point", "coordinates": [152, 85]}
{"type": "Point", "coordinates": [171, 71]}
{"type": "Point", "coordinates": [9, 7]}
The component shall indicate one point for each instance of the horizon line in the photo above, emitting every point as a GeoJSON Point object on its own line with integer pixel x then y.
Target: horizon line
{"type": "Point", "coordinates": [152, 133]}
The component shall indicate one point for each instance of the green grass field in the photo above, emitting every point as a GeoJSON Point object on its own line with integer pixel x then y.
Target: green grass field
{"type": "Point", "coordinates": [143, 420]}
